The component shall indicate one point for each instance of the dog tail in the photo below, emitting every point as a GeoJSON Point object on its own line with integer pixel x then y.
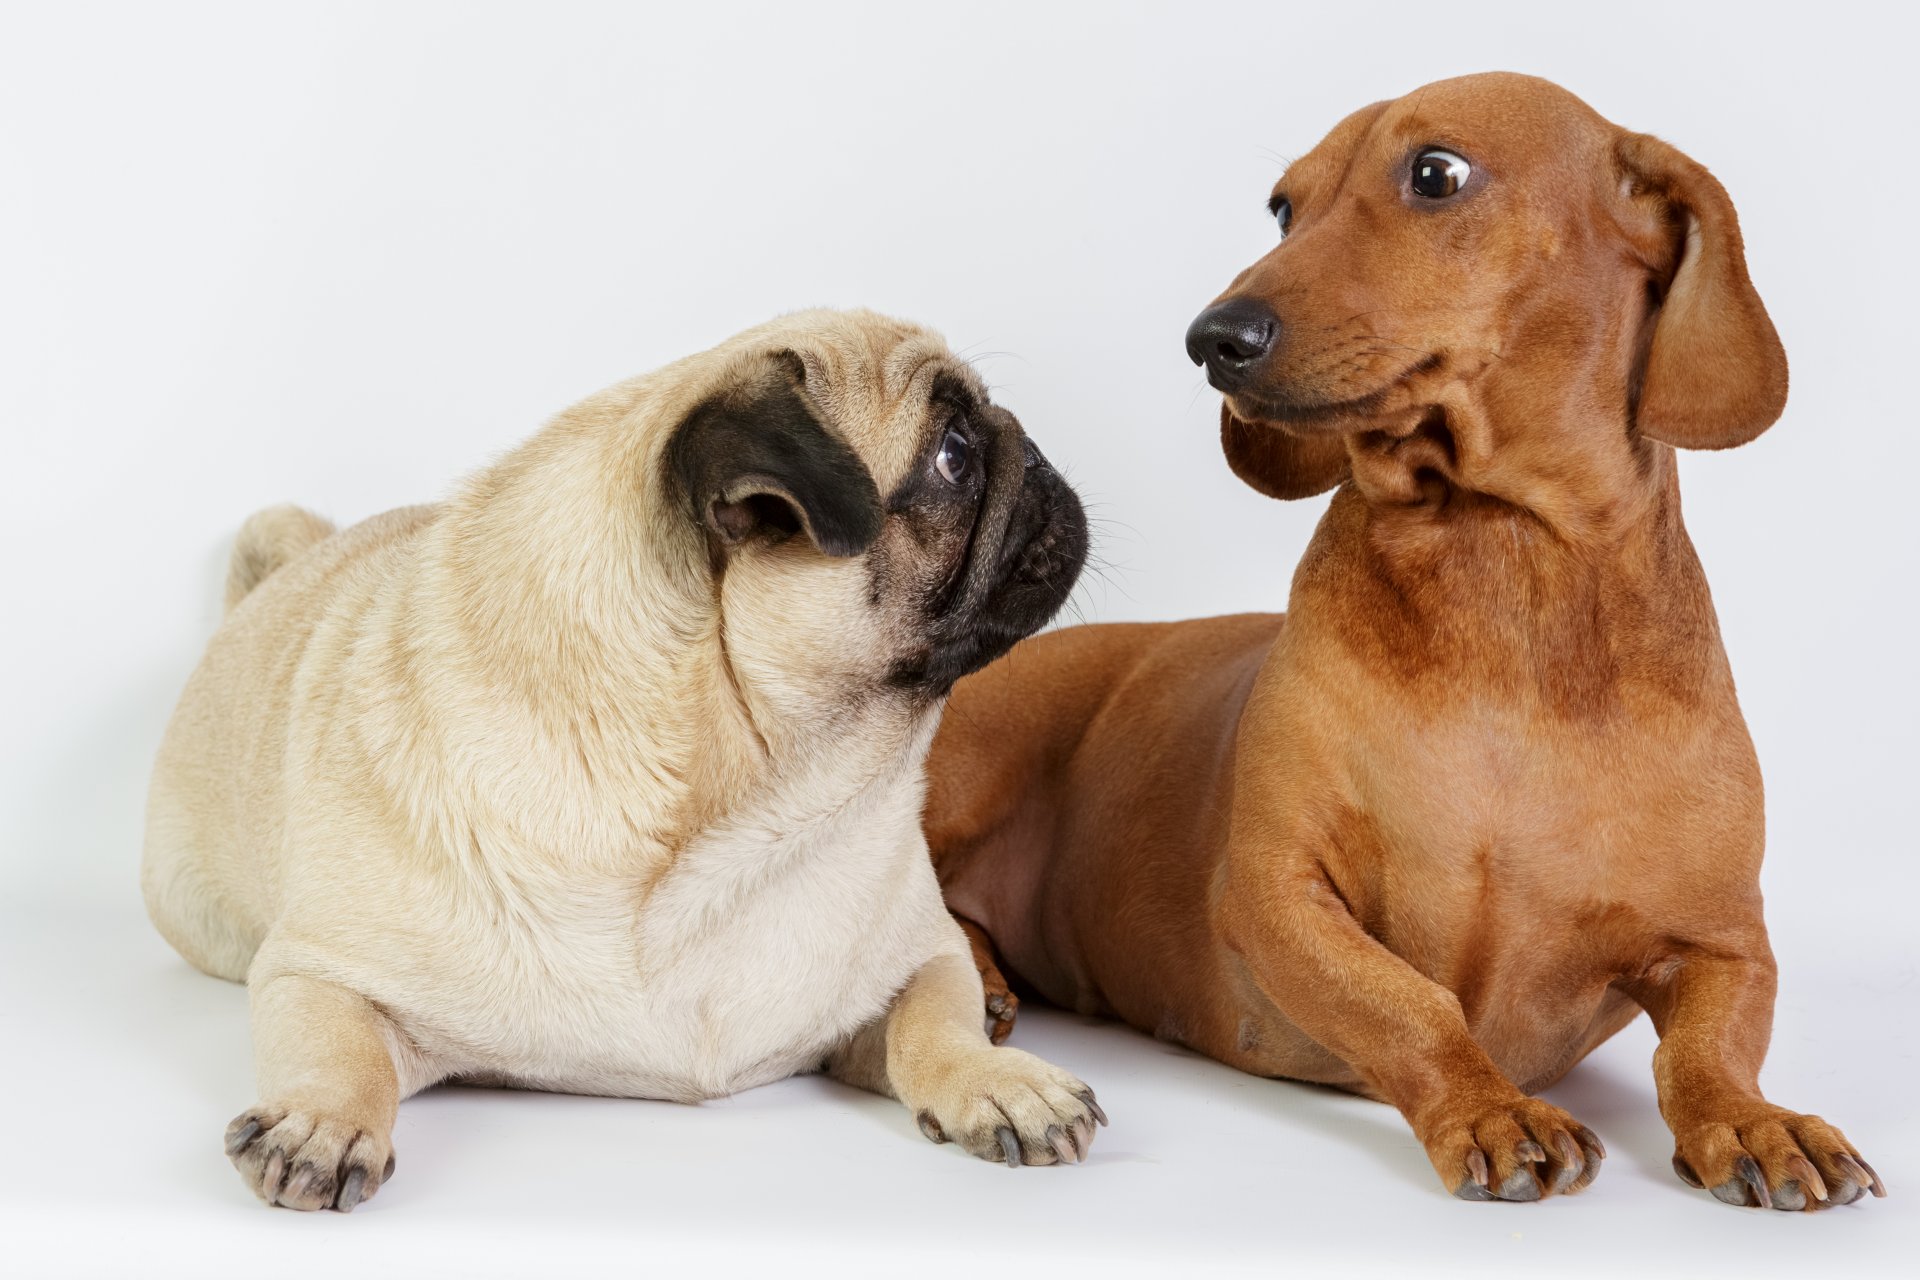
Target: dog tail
{"type": "Point", "coordinates": [268, 540]}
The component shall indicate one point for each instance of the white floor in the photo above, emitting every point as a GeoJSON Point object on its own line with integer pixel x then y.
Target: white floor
{"type": "Point", "coordinates": [121, 1066]}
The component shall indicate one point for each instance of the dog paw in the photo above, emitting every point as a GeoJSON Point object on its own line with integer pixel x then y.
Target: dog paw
{"type": "Point", "coordinates": [306, 1160]}
{"type": "Point", "coordinates": [1002, 1006]}
{"type": "Point", "coordinates": [1009, 1106]}
{"type": "Point", "coordinates": [1521, 1149]}
{"type": "Point", "coordinates": [1772, 1158]}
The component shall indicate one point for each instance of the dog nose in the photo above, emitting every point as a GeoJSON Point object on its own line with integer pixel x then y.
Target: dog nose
{"type": "Point", "coordinates": [1231, 338]}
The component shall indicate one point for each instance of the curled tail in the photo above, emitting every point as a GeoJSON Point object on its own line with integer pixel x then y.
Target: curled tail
{"type": "Point", "coordinates": [269, 539]}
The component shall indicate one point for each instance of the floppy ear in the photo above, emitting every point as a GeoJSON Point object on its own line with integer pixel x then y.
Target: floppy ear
{"type": "Point", "coordinates": [1715, 374]}
{"type": "Point", "coordinates": [1281, 465]}
{"type": "Point", "coordinates": [754, 460]}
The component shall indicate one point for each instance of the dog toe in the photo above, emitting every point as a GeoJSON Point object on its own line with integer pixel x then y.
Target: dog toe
{"type": "Point", "coordinates": [306, 1160]}
{"type": "Point", "coordinates": [1520, 1150]}
{"type": "Point", "coordinates": [1014, 1109]}
{"type": "Point", "coordinates": [1766, 1157]}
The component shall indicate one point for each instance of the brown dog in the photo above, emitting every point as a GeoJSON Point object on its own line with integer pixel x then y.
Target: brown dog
{"type": "Point", "coordinates": [1485, 792]}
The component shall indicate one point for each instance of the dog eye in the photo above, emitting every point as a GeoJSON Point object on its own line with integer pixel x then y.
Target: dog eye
{"type": "Point", "coordinates": [1282, 209]}
{"type": "Point", "coordinates": [1438, 174]}
{"type": "Point", "coordinates": [954, 457]}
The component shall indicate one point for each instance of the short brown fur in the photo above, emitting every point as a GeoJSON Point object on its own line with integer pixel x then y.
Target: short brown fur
{"type": "Point", "coordinates": [1484, 792]}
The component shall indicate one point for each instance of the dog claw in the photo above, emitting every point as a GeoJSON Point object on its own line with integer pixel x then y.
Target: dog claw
{"type": "Point", "coordinates": [1807, 1176]}
{"type": "Point", "coordinates": [1572, 1163]}
{"type": "Point", "coordinates": [1687, 1175]}
{"type": "Point", "coordinates": [1531, 1151]}
{"type": "Point", "coordinates": [238, 1140]}
{"type": "Point", "coordinates": [274, 1178]}
{"type": "Point", "coordinates": [1064, 1149]}
{"type": "Point", "coordinates": [1748, 1171]}
{"type": "Point", "coordinates": [928, 1126]}
{"type": "Point", "coordinates": [1856, 1171]}
{"type": "Point", "coordinates": [1009, 1146]}
{"type": "Point", "coordinates": [1093, 1106]}
{"type": "Point", "coordinates": [1477, 1167]}
{"type": "Point", "coordinates": [1874, 1184]}
{"type": "Point", "coordinates": [352, 1191]}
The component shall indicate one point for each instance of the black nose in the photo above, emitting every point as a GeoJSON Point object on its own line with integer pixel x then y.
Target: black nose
{"type": "Point", "coordinates": [1231, 338]}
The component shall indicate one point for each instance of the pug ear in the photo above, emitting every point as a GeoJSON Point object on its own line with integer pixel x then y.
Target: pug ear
{"type": "Point", "coordinates": [755, 460]}
{"type": "Point", "coordinates": [1281, 465]}
{"type": "Point", "coordinates": [1715, 374]}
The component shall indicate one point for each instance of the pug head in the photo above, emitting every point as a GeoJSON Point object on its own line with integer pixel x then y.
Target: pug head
{"type": "Point", "coordinates": [875, 526]}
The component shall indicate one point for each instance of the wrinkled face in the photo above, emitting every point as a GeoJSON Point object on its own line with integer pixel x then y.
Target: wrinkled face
{"type": "Point", "coordinates": [1421, 241]}
{"type": "Point", "coordinates": [985, 540]}
{"type": "Point", "coordinates": [878, 526]}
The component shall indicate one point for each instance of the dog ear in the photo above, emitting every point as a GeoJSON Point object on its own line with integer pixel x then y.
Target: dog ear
{"type": "Point", "coordinates": [1281, 465]}
{"type": "Point", "coordinates": [1715, 374]}
{"type": "Point", "coordinates": [755, 460]}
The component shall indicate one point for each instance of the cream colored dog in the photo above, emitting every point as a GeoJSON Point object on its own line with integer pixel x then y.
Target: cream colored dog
{"type": "Point", "coordinates": [606, 775]}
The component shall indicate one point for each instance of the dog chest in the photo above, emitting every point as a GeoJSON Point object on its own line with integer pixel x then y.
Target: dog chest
{"type": "Point", "coordinates": [785, 948]}
{"type": "Point", "coordinates": [1484, 818]}
{"type": "Point", "coordinates": [745, 962]}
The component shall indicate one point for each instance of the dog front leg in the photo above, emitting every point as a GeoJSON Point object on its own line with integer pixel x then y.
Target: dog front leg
{"type": "Point", "coordinates": [1714, 1013]}
{"type": "Point", "coordinates": [1002, 1005]}
{"type": "Point", "coordinates": [321, 1136]}
{"type": "Point", "coordinates": [1405, 1034]}
{"type": "Point", "coordinates": [930, 1051]}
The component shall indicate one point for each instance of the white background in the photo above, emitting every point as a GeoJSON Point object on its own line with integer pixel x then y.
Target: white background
{"type": "Point", "coordinates": [344, 254]}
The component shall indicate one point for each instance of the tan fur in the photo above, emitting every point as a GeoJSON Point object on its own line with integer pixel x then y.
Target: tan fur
{"type": "Point", "coordinates": [538, 786]}
{"type": "Point", "coordinates": [1484, 792]}
{"type": "Point", "coordinates": [269, 539]}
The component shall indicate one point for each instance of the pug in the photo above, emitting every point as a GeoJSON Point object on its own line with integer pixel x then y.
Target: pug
{"type": "Point", "coordinates": [605, 775]}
